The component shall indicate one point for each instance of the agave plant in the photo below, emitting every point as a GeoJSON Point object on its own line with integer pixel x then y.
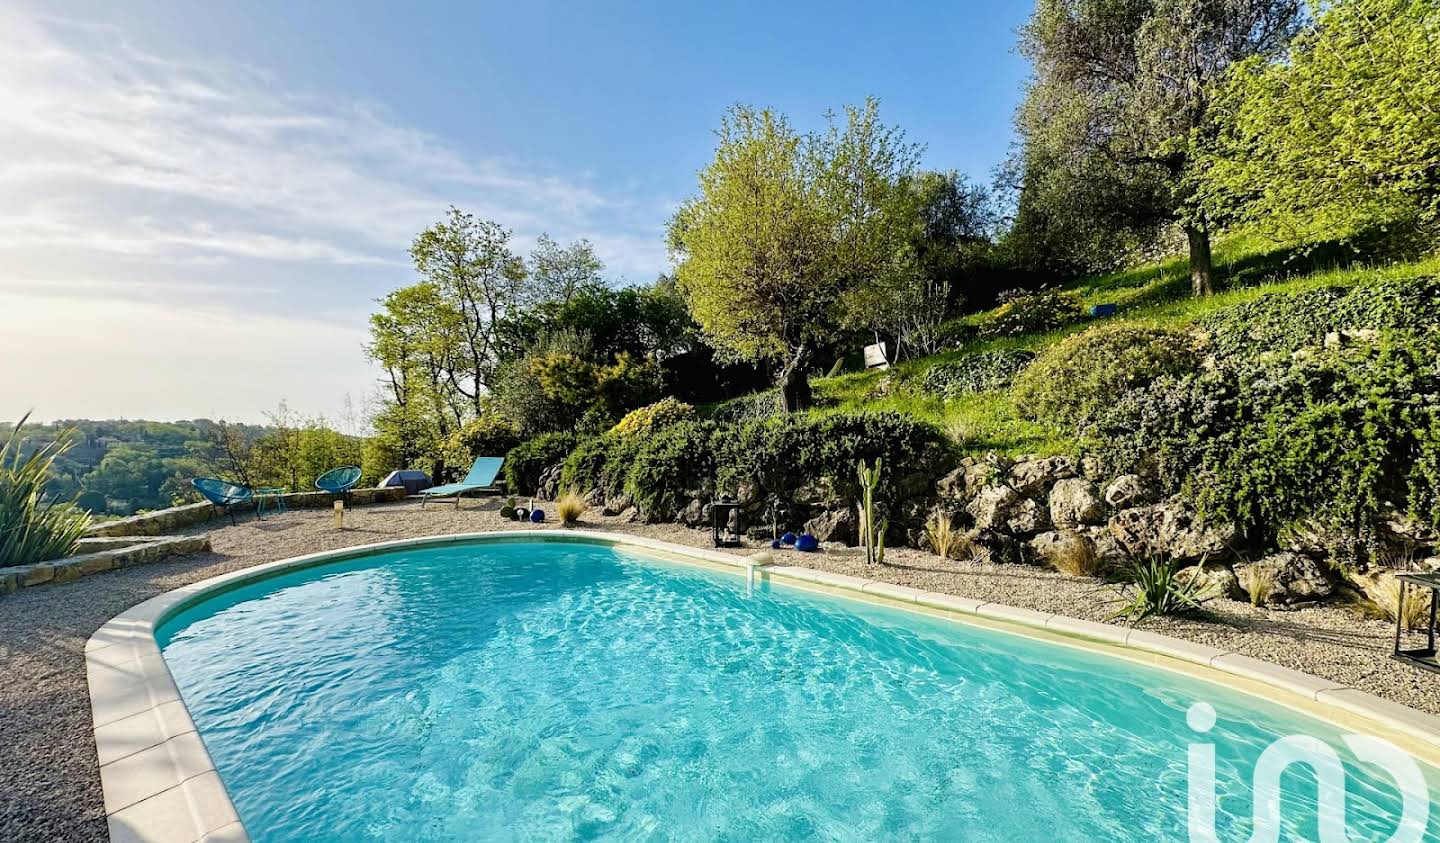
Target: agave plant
{"type": "Point", "coordinates": [33, 526]}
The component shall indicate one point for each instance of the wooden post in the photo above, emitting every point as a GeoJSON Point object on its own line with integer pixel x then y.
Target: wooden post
{"type": "Point", "coordinates": [339, 515]}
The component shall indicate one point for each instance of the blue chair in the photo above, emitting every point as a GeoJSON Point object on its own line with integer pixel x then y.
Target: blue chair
{"type": "Point", "coordinates": [225, 494]}
{"type": "Point", "coordinates": [339, 481]}
{"type": "Point", "coordinates": [481, 478]}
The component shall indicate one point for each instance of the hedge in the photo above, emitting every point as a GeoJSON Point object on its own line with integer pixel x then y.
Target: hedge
{"type": "Point", "coordinates": [1286, 323]}
{"type": "Point", "coordinates": [980, 372]}
{"type": "Point", "coordinates": [526, 461]}
{"type": "Point", "coordinates": [1339, 437]}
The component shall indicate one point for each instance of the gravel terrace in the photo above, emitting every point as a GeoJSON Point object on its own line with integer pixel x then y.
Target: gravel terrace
{"type": "Point", "coordinates": [51, 783]}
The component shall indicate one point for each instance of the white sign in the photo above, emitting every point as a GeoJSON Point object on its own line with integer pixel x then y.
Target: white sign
{"type": "Point", "coordinates": [875, 357]}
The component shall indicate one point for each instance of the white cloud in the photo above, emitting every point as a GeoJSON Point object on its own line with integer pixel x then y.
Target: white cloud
{"type": "Point", "coordinates": [133, 179]}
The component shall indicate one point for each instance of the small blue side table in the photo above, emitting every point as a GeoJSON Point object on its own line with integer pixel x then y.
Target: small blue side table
{"type": "Point", "coordinates": [273, 496]}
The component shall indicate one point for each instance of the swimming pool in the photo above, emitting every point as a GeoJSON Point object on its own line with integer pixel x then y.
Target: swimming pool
{"type": "Point", "coordinates": [547, 690]}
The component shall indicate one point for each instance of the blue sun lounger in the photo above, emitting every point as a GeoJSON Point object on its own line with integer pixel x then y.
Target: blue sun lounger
{"type": "Point", "coordinates": [480, 479]}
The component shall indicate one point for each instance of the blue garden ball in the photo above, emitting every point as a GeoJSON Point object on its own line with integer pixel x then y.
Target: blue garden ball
{"type": "Point", "coordinates": [775, 545]}
{"type": "Point", "coordinates": [788, 538]}
{"type": "Point", "coordinates": [537, 517]}
{"type": "Point", "coordinates": [807, 543]}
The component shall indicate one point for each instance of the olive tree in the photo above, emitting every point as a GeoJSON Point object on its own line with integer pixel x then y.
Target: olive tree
{"type": "Point", "coordinates": [787, 225]}
{"type": "Point", "coordinates": [1120, 99]}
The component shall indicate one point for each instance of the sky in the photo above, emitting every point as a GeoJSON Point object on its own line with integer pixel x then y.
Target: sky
{"type": "Point", "coordinates": [200, 203]}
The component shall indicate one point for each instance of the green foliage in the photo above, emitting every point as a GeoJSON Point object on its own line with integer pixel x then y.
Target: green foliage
{"type": "Point", "coordinates": [662, 413]}
{"type": "Point", "coordinates": [488, 434]}
{"type": "Point", "coordinates": [34, 526]}
{"type": "Point", "coordinates": [784, 453]}
{"type": "Point", "coordinates": [667, 466]}
{"type": "Point", "coordinates": [1024, 312]}
{"type": "Point", "coordinates": [753, 407]}
{"type": "Point", "coordinates": [788, 224]}
{"type": "Point", "coordinates": [1120, 99]}
{"type": "Point", "coordinates": [1340, 136]}
{"type": "Point", "coordinates": [600, 462]}
{"type": "Point", "coordinates": [624, 385]}
{"type": "Point", "coordinates": [1074, 381]}
{"type": "Point", "coordinates": [565, 378]}
{"type": "Point", "coordinates": [1157, 589]}
{"type": "Point", "coordinates": [1286, 323]}
{"type": "Point", "coordinates": [979, 372]}
{"type": "Point", "coordinates": [526, 461]}
{"type": "Point", "coordinates": [1336, 437]}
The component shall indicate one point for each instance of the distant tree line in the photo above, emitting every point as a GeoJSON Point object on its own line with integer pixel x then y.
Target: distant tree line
{"type": "Point", "coordinates": [122, 467]}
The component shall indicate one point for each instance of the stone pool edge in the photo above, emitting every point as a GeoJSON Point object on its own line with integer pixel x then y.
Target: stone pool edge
{"type": "Point", "coordinates": [161, 786]}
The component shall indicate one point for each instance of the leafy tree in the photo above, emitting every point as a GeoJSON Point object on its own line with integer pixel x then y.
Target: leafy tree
{"type": "Point", "coordinates": [1121, 100]}
{"type": "Point", "coordinates": [784, 226]}
{"type": "Point", "coordinates": [130, 474]}
{"type": "Point", "coordinates": [951, 221]}
{"type": "Point", "coordinates": [1341, 135]}
{"type": "Point", "coordinates": [559, 272]}
{"type": "Point", "coordinates": [478, 279]}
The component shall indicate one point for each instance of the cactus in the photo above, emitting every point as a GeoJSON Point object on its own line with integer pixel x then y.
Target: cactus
{"type": "Point", "coordinates": [872, 529]}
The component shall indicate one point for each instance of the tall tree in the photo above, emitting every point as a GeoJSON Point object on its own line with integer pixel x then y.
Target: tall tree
{"type": "Point", "coordinates": [1120, 100]}
{"type": "Point", "coordinates": [785, 225]}
{"type": "Point", "coordinates": [469, 262]}
{"type": "Point", "coordinates": [951, 221]}
{"type": "Point", "coordinates": [1342, 135]}
{"type": "Point", "coordinates": [558, 272]}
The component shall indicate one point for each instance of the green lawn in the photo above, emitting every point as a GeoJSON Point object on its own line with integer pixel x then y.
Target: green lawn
{"type": "Point", "coordinates": [1247, 267]}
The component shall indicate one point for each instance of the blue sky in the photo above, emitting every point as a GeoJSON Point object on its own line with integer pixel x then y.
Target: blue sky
{"type": "Point", "coordinates": [212, 195]}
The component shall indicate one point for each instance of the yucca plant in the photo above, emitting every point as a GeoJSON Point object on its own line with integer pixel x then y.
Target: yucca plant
{"type": "Point", "coordinates": [1156, 589]}
{"type": "Point", "coordinates": [34, 527]}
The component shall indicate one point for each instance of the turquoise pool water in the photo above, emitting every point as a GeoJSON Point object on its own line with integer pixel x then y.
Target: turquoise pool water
{"type": "Point", "coordinates": [557, 691]}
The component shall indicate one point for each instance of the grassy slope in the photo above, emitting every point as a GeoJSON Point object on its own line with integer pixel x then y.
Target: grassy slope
{"type": "Point", "coordinates": [1158, 293]}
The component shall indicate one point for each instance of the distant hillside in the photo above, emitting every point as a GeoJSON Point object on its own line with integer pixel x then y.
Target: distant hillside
{"type": "Point", "coordinates": [119, 467]}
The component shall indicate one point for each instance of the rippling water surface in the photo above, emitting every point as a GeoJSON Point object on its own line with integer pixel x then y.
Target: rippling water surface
{"type": "Point", "coordinates": [549, 691]}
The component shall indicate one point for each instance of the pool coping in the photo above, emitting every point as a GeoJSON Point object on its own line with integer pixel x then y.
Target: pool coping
{"type": "Point", "coordinates": [161, 786]}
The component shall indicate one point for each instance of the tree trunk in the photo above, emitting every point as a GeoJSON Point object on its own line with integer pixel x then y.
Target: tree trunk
{"type": "Point", "coordinates": [795, 391]}
{"type": "Point", "coordinates": [1200, 263]}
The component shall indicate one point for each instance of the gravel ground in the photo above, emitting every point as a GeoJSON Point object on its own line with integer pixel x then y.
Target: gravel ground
{"type": "Point", "coordinates": [51, 784]}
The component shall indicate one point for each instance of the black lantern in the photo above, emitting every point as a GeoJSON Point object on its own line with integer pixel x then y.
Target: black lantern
{"type": "Point", "coordinates": [723, 511]}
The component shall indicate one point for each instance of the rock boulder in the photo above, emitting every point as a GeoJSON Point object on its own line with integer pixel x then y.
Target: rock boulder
{"type": "Point", "coordinates": [1075, 501]}
{"type": "Point", "coordinates": [1286, 579]}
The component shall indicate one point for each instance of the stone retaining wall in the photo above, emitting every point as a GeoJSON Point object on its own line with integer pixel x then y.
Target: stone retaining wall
{"type": "Point", "coordinates": [141, 539]}
{"type": "Point", "coordinates": [163, 521]}
{"type": "Point", "coordinates": [139, 552]}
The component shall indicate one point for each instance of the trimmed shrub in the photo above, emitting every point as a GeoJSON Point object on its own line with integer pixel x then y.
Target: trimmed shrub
{"type": "Point", "coordinates": [1286, 323]}
{"type": "Point", "coordinates": [662, 413]}
{"type": "Point", "coordinates": [600, 462]}
{"type": "Point", "coordinates": [670, 468]}
{"type": "Point", "coordinates": [753, 407]}
{"type": "Point", "coordinates": [526, 461]}
{"type": "Point", "coordinates": [784, 454]}
{"type": "Point", "coordinates": [1074, 381]}
{"type": "Point", "coordinates": [981, 372]}
{"type": "Point", "coordinates": [1023, 312]}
